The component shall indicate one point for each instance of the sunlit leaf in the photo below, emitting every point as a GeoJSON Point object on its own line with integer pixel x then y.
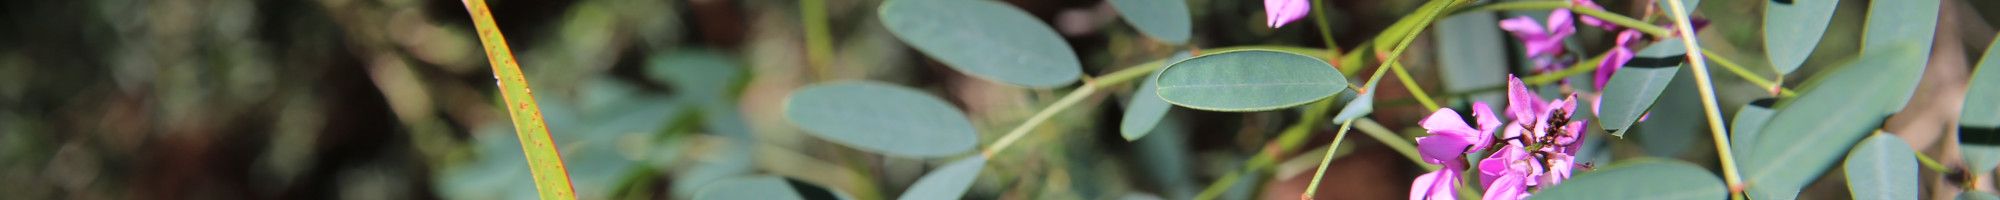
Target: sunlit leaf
{"type": "Point", "coordinates": [1634, 88]}
{"type": "Point", "coordinates": [947, 182]}
{"type": "Point", "coordinates": [1900, 24]}
{"type": "Point", "coordinates": [1146, 108]}
{"type": "Point", "coordinates": [1793, 28]}
{"type": "Point", "coordinates": [1979, 120]}
{"type": "Point", "coordinates": [1810, 133]}
{"type": "Point", "coordinates": [1249, 80]}
{"type": "Point", "coordinates": [1882, 167]}
{"type": "Point", "coordinates": [1651, 179]}
{"type": "Point", "coordinates": [985, 39]}
{"type": "Point", "coordinates": [881, 118]}
{"type": "Point", "coordinates": [1164, 20]}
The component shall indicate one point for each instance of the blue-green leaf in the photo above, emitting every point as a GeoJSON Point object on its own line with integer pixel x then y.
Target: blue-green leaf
{"type": "Point", "coordinates": [985, 39]}
{"type": "Point", "coordinates": [1900, 24]}
{"type": "Point", "coordinates": [1882, 167]}
{"type": "Point", "coordinates": [947, 182]}
{"type": "Point", "coordinates": [882, 118]}
{"type": "Point", "coordinates": [1164, 20]}
{"type": "Point", "coordinates": [1249, 80]}
{"type": "Point", "coordinates": [765, 187]}
{"type": "Point", "coordinates": [1792, 30]}
{"type": "Point", "coordinates": [1977, 195]}
{"type": "Point", "coordinates": [1145, 109]}
{"type": "Point", "coordinates": [708, 77]}
{"type": "Point", "coordinates": [1847, 103]}
{"type": "Point", "coordinates": [1675, 121]}
{"type": "Point", "coordinates": [1357, 107]}
{"type": "Point", "coordinates": [1749, 120]}
{"type": "Point", "coordinates": [1809, 133]}
{"type": "Point", "coordinates": [1634, 88]}
{"type": "Point", "coordinates": [1651, 179]}
{"type": "Point", "coordinates": [1979, 120]}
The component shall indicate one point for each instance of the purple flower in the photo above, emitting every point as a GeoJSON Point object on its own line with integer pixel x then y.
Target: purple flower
{"type": "Point", "coordinates": [1543, 43]}
{"type": "Point", "coordinates": [1536, 149]}
{"type": "Point", "coordinates": [1540, 145]}
{"type": "Point", "coordinates": [1437, 185]}
{"type": "Point", "coordinates": [1508, 173]}
{"type": "Point", "coordinates": [1279, 12]}
{"type": "Point", "coordinates": [1616, 58]}
{"type": "Point", "coordinates": [1450, 139]}
{"type": "Point", "coordinates": [1593, 21]}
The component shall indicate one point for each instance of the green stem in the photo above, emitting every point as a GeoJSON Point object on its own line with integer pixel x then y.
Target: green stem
{"type": "Point", "coordinates": [819, 39]}
{"type": "Point", "coordinates": [1635, 24]}
{"type": "Point", "coordinates": [1516, 5]}
{"type": "Point", "coordinates": [1402, 146]}
{"type": "Point", "coordinates": [1433, 8]}
{"type": "Point", "coordinates": [1707, 89]}
{"type": "Point", "coordinates": [1089, 87]}
{"type": "Point", "coordinates": [1931, 164]}
{"type": "Point", "coordinates": [1293, 136]}
{"type": "Point", "coordinates": [544, 162]}
{"type": "Point", "coordinates": [1627, 22]}
{"type": "Point", "coordinates": [1325, 32]}
{"type": "Point", "coordinates": [1297, 132]}
{"type": "Point", "coordinates": [1411, 84]}
{"type": "Point", "coordinates": [1313, 187]}
{"type": "Point", "coordinates": [1747, 75]}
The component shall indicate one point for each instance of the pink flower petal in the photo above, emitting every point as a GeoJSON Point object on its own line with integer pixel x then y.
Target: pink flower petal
{"type": "Point", "coordinates": [1277, 13]}
{"type": "Point", "coordinates": [1560, 24]}
{"type": "Point", "coordinates": [1614, 59]}
{"type": "Point", "coordinates": [1436, 185]}
{"type": "Point", "coordinates": [1507, 187]}
{"type": "Point", "coordinates": [1523, 106]}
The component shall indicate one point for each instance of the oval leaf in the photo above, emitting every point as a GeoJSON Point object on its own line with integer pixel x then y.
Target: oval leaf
{"type": "Point", "coordinates": [1164, 20]}
{"type": "Point", "coordinates": [1828, 118]}
{"type": "Point", "coordinates": [948, 182]}
{"type": "Point", "coordinates": [1979, 121]}
{"type": "Point", "coordinates": [1793, 28]}
{"type": "Point", "coordinates": [985, 39]}
{"type": "Point", "coordinates": [1892, 25]}
{"type": "Point", "coordinates": [1145, 109]}
{"type": "Point", "coordinates": [1249, 80]}
{"type": "Point", "coordinates": [1849, 102]}
{"type": "Point", "coordinates": [881, 118]}
{"type": "Point", "coordinates": [1882, 167]}
{"type": "Point", "coordinates": [1657, 179]}
{"type": "Point", "coordinates": [1751, 118]}
{"type": "Point", "coordinates": [1632, 90]}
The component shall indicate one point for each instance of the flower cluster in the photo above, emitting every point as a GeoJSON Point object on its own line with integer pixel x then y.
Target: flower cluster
{"type": "Point", "coordinates": [1536, 150]}
{"type": "Point", "coordinates": [1545, 45]}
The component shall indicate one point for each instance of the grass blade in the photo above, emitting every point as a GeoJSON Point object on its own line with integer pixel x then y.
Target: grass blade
{"type": "Point", "coordinates": [551, 178]}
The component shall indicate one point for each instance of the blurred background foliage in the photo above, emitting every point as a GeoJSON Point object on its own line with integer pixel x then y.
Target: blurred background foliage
{"type": "Point", "coordinates": [652, 99]}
